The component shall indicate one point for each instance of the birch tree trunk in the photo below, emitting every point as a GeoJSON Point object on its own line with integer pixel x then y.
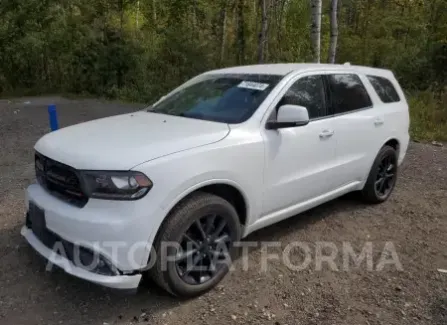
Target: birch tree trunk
{"type": "Point", "coordinates": [154, 10]}
{"type": "Point", "coordinates": [240, 31]}
{"type": "Point", "coordinates": [223, 25]}
{"type": "Point", "coordinates": [366, 31]}
{"type": "Point", "coordinates": [194, 14]}
{"type": "Point", "coordinates": [315, 32]}
{"type": "Point", "coordinates": [271, 25]}
{"type": "Point", "coordinates": [280, 19]}
{"type": "Point", "coordinates": [334, 32]}
{"type": "Point", "coordinates": [263, 33]}
{"type": "Point", "coordinates": [137, 18]}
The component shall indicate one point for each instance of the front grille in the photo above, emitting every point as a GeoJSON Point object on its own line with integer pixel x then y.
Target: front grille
{"type": "Point", "coordinates": [60, 180]}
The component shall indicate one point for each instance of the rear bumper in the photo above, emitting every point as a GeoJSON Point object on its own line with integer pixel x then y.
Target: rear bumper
{"type": "Point", "coordinates": [124, 282]}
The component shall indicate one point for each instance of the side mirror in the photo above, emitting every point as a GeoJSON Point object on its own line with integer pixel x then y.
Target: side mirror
{"type": "Point", "coordinates": [289, 116]}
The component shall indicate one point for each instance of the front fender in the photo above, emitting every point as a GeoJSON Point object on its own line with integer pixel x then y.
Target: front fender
{"type": "Point", "coordinates": [200, 181]}
{"type": "Point", "coordinates": [176, 176]}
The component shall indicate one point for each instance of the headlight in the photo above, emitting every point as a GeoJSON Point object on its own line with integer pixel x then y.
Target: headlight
{"type": "Point", "coordinates": [107, 185]}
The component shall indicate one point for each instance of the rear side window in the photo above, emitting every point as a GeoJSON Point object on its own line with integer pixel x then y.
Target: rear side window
{"type": "Point", "coordinates": [347, 93]}
{"type": "Point", "coordinates": [308, 92]}
{"type": "Point", "coordinates": [385, 89]}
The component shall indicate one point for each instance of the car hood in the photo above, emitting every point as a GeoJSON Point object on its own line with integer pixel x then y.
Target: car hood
{"type": "Point", "coordinates": [124, 141]}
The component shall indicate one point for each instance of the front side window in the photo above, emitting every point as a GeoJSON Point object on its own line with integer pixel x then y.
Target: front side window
{"type": "Point", "coordinates": [385, 89]}
{"type": "Point", "coordinates": [308, 92]}
{"type": "Point", "coordinates": [227, 98]}
{"type": "Point", "coordinates": [347, 93]}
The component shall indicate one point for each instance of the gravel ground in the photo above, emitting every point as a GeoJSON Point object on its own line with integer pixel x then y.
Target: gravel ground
{"type": "Point", "coordinates": [414, 220]}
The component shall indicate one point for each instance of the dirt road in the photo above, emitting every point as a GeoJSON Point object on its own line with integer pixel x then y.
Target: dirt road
{"type": "Point", "coordinates": [414, 220]}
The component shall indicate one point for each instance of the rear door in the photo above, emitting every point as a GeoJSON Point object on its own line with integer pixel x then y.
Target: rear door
{"type": "Point", "coordinates": [355, 126]}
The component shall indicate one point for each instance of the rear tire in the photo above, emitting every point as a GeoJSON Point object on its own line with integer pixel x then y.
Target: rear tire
{"type": "Point", "coordinates": [382, 176]}
{"type": "Point", "coordinates": [191, 264]}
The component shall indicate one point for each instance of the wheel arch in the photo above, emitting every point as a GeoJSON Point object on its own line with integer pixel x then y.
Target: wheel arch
{"type": "Point", "coordinates": [220, 187]}
{"type": "Point", "coordinates": [394, 143]}
{"type": "Point", "coordinates": [224, 188]}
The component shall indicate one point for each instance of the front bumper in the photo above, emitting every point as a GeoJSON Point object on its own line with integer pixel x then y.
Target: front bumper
{"type": "Point", "coordinates": [115, 282]}
{"type": "Point", "coordinates": [118, 231]}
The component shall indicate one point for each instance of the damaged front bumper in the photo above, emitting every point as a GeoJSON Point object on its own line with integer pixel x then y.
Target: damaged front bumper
{"type": "Point", "coordinates": [117, 281]}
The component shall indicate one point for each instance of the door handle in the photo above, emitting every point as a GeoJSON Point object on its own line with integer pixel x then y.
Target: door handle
{"type": "Point", "coordinates": [326, 134]}
{"type": "Point", "coordinates": [378, 121]}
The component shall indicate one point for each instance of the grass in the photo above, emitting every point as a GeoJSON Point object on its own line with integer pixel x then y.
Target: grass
{"type": "Point", "coordinates": [428, 113]}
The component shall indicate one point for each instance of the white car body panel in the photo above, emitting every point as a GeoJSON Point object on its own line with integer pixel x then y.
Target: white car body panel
{"type": "Point", "coordinates": [121, 142]}
{"type": "Point", "coordinates": [278, 172]}
{"type": "Point", "coordinates": [296, 171]}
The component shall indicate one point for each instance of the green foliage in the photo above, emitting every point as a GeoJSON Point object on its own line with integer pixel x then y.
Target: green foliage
{"type": "Point", "coordinates": [138, 50]}
{"type": "Point", "coordinates": [428, 115]}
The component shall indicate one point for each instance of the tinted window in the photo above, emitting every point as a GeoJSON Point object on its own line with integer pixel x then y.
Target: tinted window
{"type": "Point", "coordinates": [307, 92]}
{"type": "Point", "coordinates": [384, 89]}
{"type": "Point", "coordinates": [228, 98]}
{"type": "Point", "coordinates": [347, 93]}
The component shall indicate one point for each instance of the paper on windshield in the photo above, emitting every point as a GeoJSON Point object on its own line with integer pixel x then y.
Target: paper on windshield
{"type": "Point", "coordinates": [253, 85]}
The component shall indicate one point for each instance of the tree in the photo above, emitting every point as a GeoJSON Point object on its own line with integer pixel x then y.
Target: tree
{"type": "Point", "coordinates": [334, 31]}
{"type": "Point", "coordinates": [240, 32]}
{"type": "Point", "coordinates": [138, 50]}
{"type": "Point", "coordinates": [315, 32]}
{"type": "Point", "coordinates": [154, 10]}
{"type": "Point", "coordinates": [263, 33]}
{"type": "Point", "coordinates": [223, 25]}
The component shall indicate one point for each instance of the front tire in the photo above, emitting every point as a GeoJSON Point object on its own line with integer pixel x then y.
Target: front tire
{"type": "Point", "coordinates": [382, 177]}
{"type": "Point", "coordinates": [194, 247]}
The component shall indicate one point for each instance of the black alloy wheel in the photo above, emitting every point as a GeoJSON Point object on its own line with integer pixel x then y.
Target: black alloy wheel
{"type": "Point", "coordinates": [203, 250]}
{"type": "Point", "coordinates": [382, 176]}
{"type": "Point", "coordinates": [386, 176]}
{"type": "Point", "coordinates": [195, 245]}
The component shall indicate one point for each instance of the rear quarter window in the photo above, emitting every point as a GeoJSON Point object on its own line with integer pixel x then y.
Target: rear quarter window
{"type": "Point", "coordinates": [385, 89]}
{"type": "Point", "coordinates": [347, 93]}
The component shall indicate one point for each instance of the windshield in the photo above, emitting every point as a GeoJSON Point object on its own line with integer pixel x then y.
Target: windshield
{"type": "Point", "coordinates": [228, 98]}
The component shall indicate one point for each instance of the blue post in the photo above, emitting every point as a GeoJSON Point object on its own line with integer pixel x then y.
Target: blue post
{"type": "Point", "coordinates": [52, 114]}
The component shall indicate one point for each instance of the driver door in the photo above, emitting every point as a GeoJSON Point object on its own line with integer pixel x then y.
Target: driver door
{"type": "Point", "coordinates": [300, 160]}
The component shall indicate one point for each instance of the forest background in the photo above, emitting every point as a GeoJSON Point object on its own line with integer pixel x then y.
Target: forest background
{"type": "Point", "coordinates": [138, 50]}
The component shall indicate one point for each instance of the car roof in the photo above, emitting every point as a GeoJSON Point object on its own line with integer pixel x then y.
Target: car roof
{"type": "Point", "coordinates": [283, 69]}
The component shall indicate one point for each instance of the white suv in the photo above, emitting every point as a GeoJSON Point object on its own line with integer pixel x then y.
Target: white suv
{"type": "Point", "coordinates": [227, 153]}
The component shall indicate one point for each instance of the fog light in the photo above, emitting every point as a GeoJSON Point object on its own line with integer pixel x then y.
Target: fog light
{"type": "Point", "coordinates": [95, 263]}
